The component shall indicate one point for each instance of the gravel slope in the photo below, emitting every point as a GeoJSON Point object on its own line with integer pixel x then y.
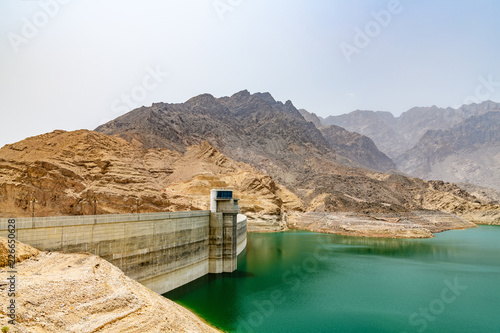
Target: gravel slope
{"type": "Point", "coordinates": [81, 293]}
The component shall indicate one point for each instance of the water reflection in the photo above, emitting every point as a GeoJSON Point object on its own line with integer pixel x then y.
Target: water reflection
{"type": "Point", "coordinates": [406, 248]}
{"type": "Point", "coordinates": [279, 251]}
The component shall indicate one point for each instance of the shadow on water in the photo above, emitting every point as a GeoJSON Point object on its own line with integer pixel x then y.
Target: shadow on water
{"type": "Point", "coordinates": [210, 292]}
{"type": "Point", "coordinates": [204, 280]}
{"type": "Point", "coordinates": [213, 290]}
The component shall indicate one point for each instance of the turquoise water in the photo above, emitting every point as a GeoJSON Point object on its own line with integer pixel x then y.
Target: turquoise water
{"type": "Point", "coordinates": [307, 282]}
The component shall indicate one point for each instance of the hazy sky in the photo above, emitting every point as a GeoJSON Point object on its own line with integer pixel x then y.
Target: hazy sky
{"type": "Point", "coordinates": [71, 64]}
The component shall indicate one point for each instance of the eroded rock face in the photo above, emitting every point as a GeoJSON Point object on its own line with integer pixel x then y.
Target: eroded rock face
{"type": "Point", "coordinates": [312, 117]}
{"type": "Point", "coordinates": [23, 252]}
{"type": "Point", "coordinates": [275, 139]}
{"type": "Point", "coordinates": [455, 145]}
{"type": "Point", "coordinates": [253, 128]}
{"type": "Point", "coordinates": [265, 150]}
{"type": "Point", "coordinates": [395, 135]}
{"type": "Point", "coordinates": [358, 148]}
{"type": "Point", "coordinates": [468, 152]}
{"type": "Point", "coordinates": [82, 172]}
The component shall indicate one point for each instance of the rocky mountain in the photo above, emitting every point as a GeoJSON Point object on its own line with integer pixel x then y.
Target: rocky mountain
{"type": "Point", "coordinates": [485, 194]}
{"type": "Point", "coordinates": [468, 152]}
{"type": "Point", "coordinates": [311, 117]}
{"type": "Point", "coordinates": [434, 143]}
{"type": "Point", "coordinates": [82, 172]}
{"type": "Point", "coordinates": [395, 135]}
{"type": "Point", "coordinates": [254, 129]}
{"type": "Point", "coordinates": [379, 126]}
{"type": "Point", "coordinates": [291, 166]}
{"type": "Point", "coordinates": [358, 148]}
{"type": "Point", "coordinates": [274, 138]}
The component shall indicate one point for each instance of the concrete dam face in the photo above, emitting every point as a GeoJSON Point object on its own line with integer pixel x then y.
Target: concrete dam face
{"type": "Point", "coordinates": [160, 250]}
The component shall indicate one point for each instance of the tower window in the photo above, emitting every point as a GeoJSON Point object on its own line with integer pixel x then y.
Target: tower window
{"type": "Point", "coordinates": [224, 195]}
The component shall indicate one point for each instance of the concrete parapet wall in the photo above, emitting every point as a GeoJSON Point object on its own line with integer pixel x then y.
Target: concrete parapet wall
{"type": "Point", "coordinates": [55, 221]}
{"type": "Point", "coordinates": [160, 250]}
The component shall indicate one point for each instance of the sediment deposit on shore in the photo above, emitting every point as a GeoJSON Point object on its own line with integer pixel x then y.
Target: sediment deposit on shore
{"type": "Point", "coordinates": [416, 224]}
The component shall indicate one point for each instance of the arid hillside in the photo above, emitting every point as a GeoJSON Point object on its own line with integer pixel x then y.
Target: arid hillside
{"type": "Point", "coordinates": [275, 139]}
{"type": "Point", "coordinates": [356, 147]}
{"type": "Point", "coordinates": [455, 145]}
{"type": "Point", "coordinates": [85, 172]}
{"type": "Point", "coordinates": [82, 172]}
{"type": "Point", "coordinates": [396, 135]}
{"type": "Point", "coordinates": [468, 152]}
{"type": "Point", "coordinates": [253, 128]}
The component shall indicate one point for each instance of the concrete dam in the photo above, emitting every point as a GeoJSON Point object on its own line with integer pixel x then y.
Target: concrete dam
{"type": "Point", "coordinates": [160, 250]}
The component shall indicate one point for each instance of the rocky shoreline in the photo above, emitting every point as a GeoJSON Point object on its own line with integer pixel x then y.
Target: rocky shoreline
{"type": "Point", "coordinates": [415, 224]}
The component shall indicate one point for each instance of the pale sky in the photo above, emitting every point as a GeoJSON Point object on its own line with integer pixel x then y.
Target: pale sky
{"type": "Point", "coordinates": [72, 64]}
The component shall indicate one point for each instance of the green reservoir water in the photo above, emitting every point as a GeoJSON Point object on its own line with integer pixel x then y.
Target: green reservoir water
{"type": "Point", "coordinates": [307, 282]}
